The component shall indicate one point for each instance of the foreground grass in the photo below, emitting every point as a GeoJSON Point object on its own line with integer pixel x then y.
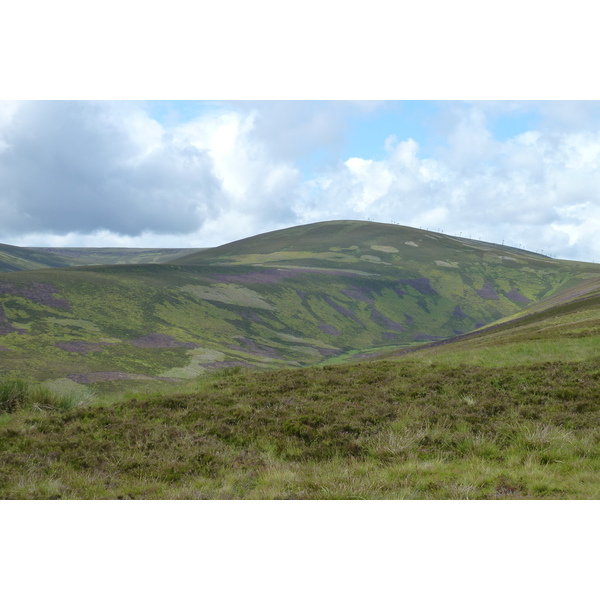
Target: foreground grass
{"type": "Point", "coordinates": [20, 394]}
{"type": "Point", "coordinates": [373, 430]}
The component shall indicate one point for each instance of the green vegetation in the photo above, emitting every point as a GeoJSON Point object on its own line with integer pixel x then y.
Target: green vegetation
{"type": "Point", "coordinates": [293, 298]}
{"type": "Point", "coordinates": [375, 430]}
{"type": "Point", "coordinates": [13, 258]}
{"type": "Point", "coordinates": [175, 381]}
{"type": "Point", "coordinates": [21, 395]}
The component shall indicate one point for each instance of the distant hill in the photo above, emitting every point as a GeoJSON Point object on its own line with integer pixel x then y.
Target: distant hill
{"type": "Point", "coordinates": [307, 295]}
{"type": "Point", "coordinates": [14, 258]}
{"type": "Point", "coordinates": [335, 242]}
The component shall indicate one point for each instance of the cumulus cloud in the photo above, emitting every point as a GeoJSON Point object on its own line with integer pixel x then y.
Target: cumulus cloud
{"type": "Point", "coordinates": [83, 166]}
{"type": "Point", "coordinates": [108, 171]}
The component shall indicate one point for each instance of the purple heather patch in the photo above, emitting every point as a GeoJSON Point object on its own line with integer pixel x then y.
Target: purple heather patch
{"type": "Point", "coordinates": [3, 349]}
{"type": "Point", "coordinates": [328, 329]}
{"type": "Point", "coordinates": [421, 284]}
{"type": "Point", "coordinates": [399, 291]}
{"type": "Point", "coordinates": [81, 347]}
{"type": "Point", "coordinates": [226, 363]}
{"type": "Point", "coordinates": [254, 348]}
{"type": "Point", "coordinates": [384, 321]}
{"type": "Point", "coordinates": [160, 340]}
{"type": "Point", "coordinates": [516, 296]}
{"type": "Point", "coordinates": [43, 293]}
{"type": "Point", "coordinates": [328, 351]}
{"type": "Point", "coordinates": [358, 293]}
{"type": "Point", "coordinates": [408, 319]}
{"type": "Point", "coordinates": [5, 326]}
{"type": "Point", "coordinates": [424, 337]}
{"type": "Point", "coordinates": [345, 312]}
{"type": "Point", "coordinates": [459, 313]}
{"type": "Point", "coordinates": [487, 292]}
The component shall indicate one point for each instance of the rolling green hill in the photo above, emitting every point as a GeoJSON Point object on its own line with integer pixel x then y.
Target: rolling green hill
{"type": "Point", "coordinates": [14, 258]}
{"type": "Point", "coordinates": [468, 370]}
{"type": "Point", "coordinates": [303, 296]}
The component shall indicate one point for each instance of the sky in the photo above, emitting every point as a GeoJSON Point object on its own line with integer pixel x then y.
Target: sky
{"type": "Point", "coordinates": [202, 173]}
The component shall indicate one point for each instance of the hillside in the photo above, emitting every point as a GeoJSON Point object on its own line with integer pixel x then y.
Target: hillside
{"type": "Point", "coordinates": [117, 256]}
{"type": "Point", "coordinates": [14, 258]}
{"type": "Point", "coordinates": [302, 296]}
{"type": "Point", "coordinates": [502, 419]}
{"type": "Point", "coordinates": [562, 328]}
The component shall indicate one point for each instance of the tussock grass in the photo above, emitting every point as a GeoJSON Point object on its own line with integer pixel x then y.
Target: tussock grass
{"type": "Point", "coordinates": [22, 395]}
{"type": "Point", "coordinates": [379, 430]}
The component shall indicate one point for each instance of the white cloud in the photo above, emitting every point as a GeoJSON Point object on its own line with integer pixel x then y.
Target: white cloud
{"type": "Point", "coordinates": [84, 166]}
{"type": "Point", "coordinates": [109, 172]}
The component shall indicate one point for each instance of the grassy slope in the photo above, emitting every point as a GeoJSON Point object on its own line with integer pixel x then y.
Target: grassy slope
{"type": "Point", "coordinates": [563, 327]}
{"type": "Point", "coordinates": [290, 298]}
{"type": "Point", "coordinates": [117, 256]}
{"type": "Point", "coordinates": [414, 426]}
{"type": "Point", "coordinates": [14, 258]}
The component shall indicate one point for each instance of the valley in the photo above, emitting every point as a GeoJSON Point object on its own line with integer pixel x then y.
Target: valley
{"type": "Point", "coordinates": [342, 359]}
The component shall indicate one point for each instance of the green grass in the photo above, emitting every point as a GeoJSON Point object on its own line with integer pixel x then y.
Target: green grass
{"type": "Point", "coordinates": [13, 258]}
{"type": "Point", "coordinates": [21, 395]}
{"type": "Point", "coordinates": [373, 430]}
